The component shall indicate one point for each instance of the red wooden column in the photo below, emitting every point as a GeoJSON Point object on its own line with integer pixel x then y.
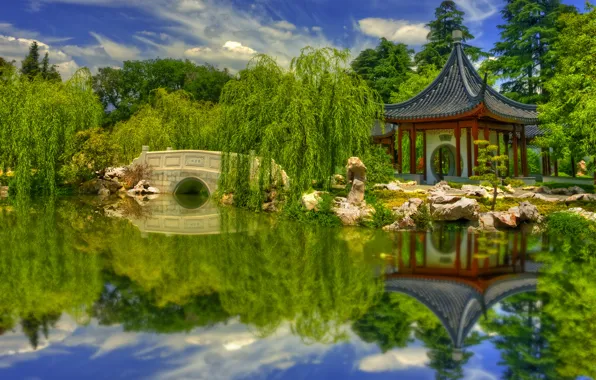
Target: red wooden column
{"type": "Point", "coordinates": [413, 149]}
{"type": "Point", "coordinates": [515, 155]}
{"type": "Point", "coordinates": [469, 150]}
{"type": "Point", "coordinates": [458, 253]}
{"type": "Point", "coordinates": [486, 134]}
{"type": "Point", "coordinates": [475, 137]}
{"type": "Point", "coordinates": [524, 152]}
{"type": "Point", "coordinates": [458, 150]}
{"type": "Point", "coordinates": [400, 137]}
{"type": "Point", "coordinates": [424, 156]}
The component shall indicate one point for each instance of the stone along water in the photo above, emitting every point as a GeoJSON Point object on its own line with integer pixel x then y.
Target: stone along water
{"type": "Point", "coordinates": [169, 291]}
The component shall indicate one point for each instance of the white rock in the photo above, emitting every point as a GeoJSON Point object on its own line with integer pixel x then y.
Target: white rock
{"type": "Point", "coordinates": [311, 201]}
{"type": "Point", "coordinates": [464, 208]}
{"type": "Point", "coordinates": [356, 195]}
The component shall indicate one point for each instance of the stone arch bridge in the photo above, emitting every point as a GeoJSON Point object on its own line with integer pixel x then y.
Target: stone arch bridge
{"type": "Point", "coordinates": [170, 168]}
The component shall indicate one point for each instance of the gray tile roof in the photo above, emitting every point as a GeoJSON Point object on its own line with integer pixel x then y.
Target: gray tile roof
{"type": "Point", "coordinates": [457, 90]}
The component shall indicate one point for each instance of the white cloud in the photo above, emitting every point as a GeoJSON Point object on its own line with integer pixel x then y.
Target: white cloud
{"type": "Point", "coordinates": [236, 47]}
{"type": "Point", "coordinates": [317, 29]}
{"type": "Point", "coordinates": [191, 5]}
{"type": "Point", "coordinates": [395, 360]}
{"type": "Point", "coordinates": [477, 10]}
{"type": "Point", "coordinates": [116, 51]}
{"type": "Point", "coordinates": [394, 30]}
{"type": "Point", "coordinates": [285, 25]}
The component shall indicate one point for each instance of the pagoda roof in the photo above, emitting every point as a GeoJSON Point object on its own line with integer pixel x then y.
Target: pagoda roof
{"type": "Point", "coordinates": [458, 91]}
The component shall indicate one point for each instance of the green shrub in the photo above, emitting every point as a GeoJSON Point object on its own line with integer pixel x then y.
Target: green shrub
{"type": "Point", "coordinates": [455, 185]}
{"type": "Point", "coordinates": [324, 217]}
{"type": "Point", "coordinates": [382, 216]}
{"type": "Point", "coordinates": [422, 218]}
{"type": "Point", "coordinates": [378, 166]}
{"type": "Point", "coordinates": [567, 229]}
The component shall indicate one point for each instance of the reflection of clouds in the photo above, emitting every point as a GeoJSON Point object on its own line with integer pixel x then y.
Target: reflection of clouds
{"type": "Point", "coordinates": [478, 374]}
{"type": "Point", "coordinates": [394, 360]}
{"type": "Point", "coordinates": [15, 346]}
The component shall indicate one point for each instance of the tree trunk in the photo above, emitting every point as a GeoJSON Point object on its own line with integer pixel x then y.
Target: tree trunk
{"type": "Point", "coordinates": [573, 168]}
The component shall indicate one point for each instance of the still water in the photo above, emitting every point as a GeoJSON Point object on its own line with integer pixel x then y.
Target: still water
{"type": "Point", "coordinates": [177, 289]}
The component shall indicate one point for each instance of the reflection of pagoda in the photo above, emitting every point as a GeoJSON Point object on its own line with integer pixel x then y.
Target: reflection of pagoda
{"type": "Point", "coordinates": [451, 274]}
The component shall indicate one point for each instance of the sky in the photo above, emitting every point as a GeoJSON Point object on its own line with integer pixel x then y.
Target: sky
{"type": "Point", "coordinates": [224, 33]}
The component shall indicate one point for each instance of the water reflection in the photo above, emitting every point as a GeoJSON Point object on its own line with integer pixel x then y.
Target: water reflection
{"type": "Point", "coordinates": [443, 301]}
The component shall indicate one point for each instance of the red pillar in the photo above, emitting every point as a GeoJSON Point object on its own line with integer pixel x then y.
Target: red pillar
{"type": "Point", "coordinates": [486, 134]}
{"type": "Point", "coordinates": [469, 150]}
{"type": "Point", "coordinates": [475, 137]}
{"type": "Point", "coordinates": [458, 150]}
{"type": "Point", "coordinates": [524, 151]}
{"type": "Point", "coordinates": [400, 136]}
{"type": "Point", "coordinates": [413, 149]}
{"type": "Point", "coordinates": [424, 155]}
{"type": "Point", "coordinates": [515, 154]}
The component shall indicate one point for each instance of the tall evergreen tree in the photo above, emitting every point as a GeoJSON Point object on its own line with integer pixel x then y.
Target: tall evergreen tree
{"type": "Point", "coordinates": [524, 55]}
{"type": "Point", "coordinates": [49, 72]}
{"type": "Point", "coordinates": [384, 68]}
{"type": "Point", "coordinates": [30, 65]}
{"type": "Point", "coordinates": [448, 17]}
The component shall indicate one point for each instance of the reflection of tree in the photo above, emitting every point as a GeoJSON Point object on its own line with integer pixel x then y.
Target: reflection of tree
{"type": "Point", "coordinates": [442, 353]}
{"type": "Point", "coordinates": [47, 268]}
{"type": "Point", "coordinates": [521, 335]}
{"type": "Point", "coordinates": [391, 321]}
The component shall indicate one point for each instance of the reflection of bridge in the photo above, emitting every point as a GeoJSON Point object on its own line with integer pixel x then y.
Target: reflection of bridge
{"type": "Point", "coordinates": [459, 284]}
{"type": "Point", "coordinates": [171, 167]}
{"type": "Point", "coordinates": [166, 216]}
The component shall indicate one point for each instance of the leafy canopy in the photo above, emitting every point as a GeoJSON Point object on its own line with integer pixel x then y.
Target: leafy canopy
{"type": "Point", "coordinates": [568, 116]}
{"type": "Point", "coordinates": [310, 119]}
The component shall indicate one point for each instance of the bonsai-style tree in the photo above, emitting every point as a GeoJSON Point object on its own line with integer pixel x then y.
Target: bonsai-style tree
{"type": "Point", "coordinates": [489, 167]}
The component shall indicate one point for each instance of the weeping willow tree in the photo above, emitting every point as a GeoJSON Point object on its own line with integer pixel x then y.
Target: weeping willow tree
{"type": "Point", "coordinates": [308, 119]}
{"type": "Point", "coordinates": [172, 120]}
{"type": "Point", "coordinates": [38, 123]}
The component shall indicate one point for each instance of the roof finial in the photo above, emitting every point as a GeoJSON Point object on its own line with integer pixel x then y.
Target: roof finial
{"type": "Point", "coordinates": [458, 36]}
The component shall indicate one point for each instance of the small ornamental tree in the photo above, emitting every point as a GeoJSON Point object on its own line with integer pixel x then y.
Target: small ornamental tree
{"type": "Point", "coordinates": [489, 167]}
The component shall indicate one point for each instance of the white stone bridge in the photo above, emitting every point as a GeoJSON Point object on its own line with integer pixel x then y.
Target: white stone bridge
{"type": "Point", "coordinates": [173, 168]}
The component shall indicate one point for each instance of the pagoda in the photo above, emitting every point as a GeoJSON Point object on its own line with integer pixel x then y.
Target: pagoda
{"type": "Point", "coordinates": [456, 109]}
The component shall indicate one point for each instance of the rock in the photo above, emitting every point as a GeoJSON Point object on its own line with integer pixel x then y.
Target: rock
{"type": "Point", "coordinates": [543, 198]}
{"type": "Point", "coordinates": [544, 190]}
{"type": "Point", "coordinates": [393, 186]}
{"type": "Point", "coordinates": [526, 212]}
{"type": "Point", "coordinates": [506, 219]}
{"type": "Point", "coordinates": [442, 198]}
{"type": "Point", "coordinates": [356, 170]}
{"type": "Point", "coordinates": [269, 207]}
{"type": "Point", "coordinates": [227, 199]}
{"type": "Point", "coordinates": [586, 214]}
{"type": "Point", "coordinates": [311, 201]}
{"type": "Point", "coordinates": [3, 191]}
{"type": "Point", "coordinates": [93, 186]}
{"type": "Point", "coordinates": [474, 191]}
{"type": "Point", "coordinates": [356, 195]}
{"type": "Point", "coordinates": [350, 214]}
{"type": "Point", "coordinates": [408, 184]}
{"type": "Point", "coordinates": [577, 190]}
{"type": "Point", "coordinates": [409, 208]}
{"type": "Point", "coordinates": [441, 186]}
{"type": "Point", "coordinates": [561, 192]}
{"type": "Point", "coordinates": [575, 198]}
{"type": "Point", "coordinates": [529, 188]}
{"type": "Point", "coordinates": [103, 192]}
{"type": "Point", "coordinates": [115, 172]}
{"type": "Point", "coordinates": [464, 208]}
{"type": "Point", "coordinates": [406, 223]}
{"type": "Point", "coordinates": [152, 190]}
{"type": "Point", "coordinates": [339, 179]}
{"type": "Point", "coordinates": [509, 189]}
{"type": "Point", "coordinates": [486, 221]}
{"type": "Point", "coordinates": [527, 195]}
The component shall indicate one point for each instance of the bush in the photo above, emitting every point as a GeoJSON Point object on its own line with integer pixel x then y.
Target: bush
{"type": "Point", "coordinates": [423, 218]}
{"type": "Point", "coordinates": [567, 229]}
{"type": "Point", "coordinates": [382, 216]}
{"type": "Point", "coordinates": [95, 151]}
{"type": "Point", "coordinates": [378, 166]}
{"type": "Point", "coordinates": [135, 173]}
{"type": "Point", "coordinates": [324, 217]}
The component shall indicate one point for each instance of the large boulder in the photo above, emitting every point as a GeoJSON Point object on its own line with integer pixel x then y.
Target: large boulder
{"type": "Point", "coordinates": [526, 212]}
{"type": "Point", "coordinates": [561, 192]}
{"type": "Point", "coordinates": [409, 208]}
{"type": "Point", "coordinates": [577, 190]}
{"type": "Point", "coordinates": [94, 186]}
{"type": "Point", "coordinates": [393, 186]}
{"type": "Point", "coordinates": [440, 197]}
{"type": "Point", "coordinates": [355, 170]}
{"type": "Point", "coordinates": [351, 214]}
{"type": "Point", "coordinates": [311, 201]}
{"type": "Point", "coordinates": [405, 223]}
{"type": "Point", "coordinates": [464, 208]}
{"type": "Point", "coordinates": [506, 219]}
{"type": "Point", "coordinates": [474, 191]}
{"type": "Point", "coordinates": [542, 197]}
{"type": "Point", "coordinates": [356, 195]}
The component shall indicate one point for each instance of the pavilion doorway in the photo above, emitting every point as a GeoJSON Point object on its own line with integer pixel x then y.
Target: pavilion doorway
{"type": "Point", "coordinates": [443, 162]}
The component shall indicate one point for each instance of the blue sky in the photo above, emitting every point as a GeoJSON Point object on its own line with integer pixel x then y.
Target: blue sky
{"type": "Point", "coordinates": [226, 33]}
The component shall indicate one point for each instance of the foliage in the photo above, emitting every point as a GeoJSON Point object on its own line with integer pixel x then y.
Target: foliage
{"type": "Point", "coordinates": [489, 167]}
{"type": "Point", "coordinates": [49, 72]}
{"type": "Point", "coordinates": [423, 217]}
{"type": "Point", "coordinates": [378, 166]}
{"type": "Point", "coordinates": [440, 38]}
{"type": "Point", "coordinates": [95, 151]}
{"type": "Point", "coordinates": [31, 66]}
{"type": "Point", "coordinates": [323, 217]}
{"type": "Point", "coordinates": [309, 119]}
{"type": "Point", "coordinates": [39, 120]}
{"type": "Point", "coordinates": [381, 217]}
{"type": "Point", "coordinates": [172, 120]}
{"type": "Point", "coordinates": [6, 67]}
{"type": "Point", "coordinates": [384, 68]}
{"type": "Point", "coordinates": [524, 56]}
{"type": "Point", "coordinates": [568, 116]}
{"type": "Point", "coordinates": [415, 83]}
{"type": "Point", "coordinates": [124, 91]}
{"type": "Point", "coordinates": [135, 173]}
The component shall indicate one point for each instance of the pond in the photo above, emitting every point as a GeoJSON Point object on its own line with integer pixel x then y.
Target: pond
{"type": "Point", "coordinates": [182, 289]}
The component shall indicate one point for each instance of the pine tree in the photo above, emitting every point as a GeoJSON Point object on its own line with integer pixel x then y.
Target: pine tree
{"type": "Point", "coordinates": [49, 72]}
{"type": "Point", "coordinates": [30, 66]}
{"type": "Point", "coordinates": [524, 55]}
{"type": "Point", "coordinates": [448, 18]}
